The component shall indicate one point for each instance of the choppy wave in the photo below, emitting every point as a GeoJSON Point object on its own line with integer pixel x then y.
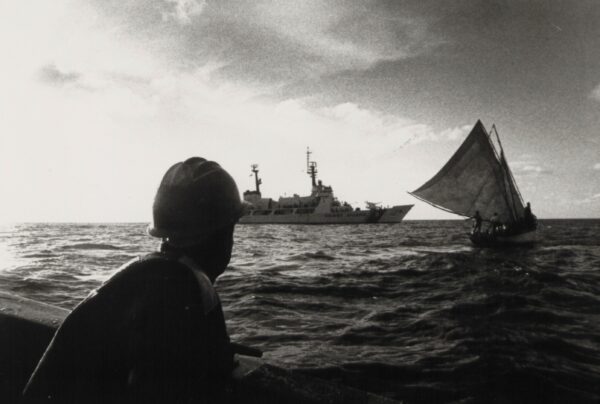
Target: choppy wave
{"type": "Point", "coordinates": [410, 311]}
{"type": "Point", "coordinates": [90, 246]}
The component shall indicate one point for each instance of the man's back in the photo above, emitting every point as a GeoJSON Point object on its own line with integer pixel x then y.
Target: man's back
{"type": "Point", "coordinates": [147, 335]}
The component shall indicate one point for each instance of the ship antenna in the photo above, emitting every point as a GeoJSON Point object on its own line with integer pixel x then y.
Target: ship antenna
{"type": "Point", "coordinates": [311, 167]}
{"type": "Point", "coordinates": [257, 180]}
{"type": "Point", "coordinates": [307, 159]}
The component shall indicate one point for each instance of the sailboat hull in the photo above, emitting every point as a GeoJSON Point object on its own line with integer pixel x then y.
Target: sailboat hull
{"type": "Point", "coordinates": [486, 240]}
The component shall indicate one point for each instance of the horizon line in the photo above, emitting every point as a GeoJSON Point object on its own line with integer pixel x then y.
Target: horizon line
{"type": "Point", "coordinates": [147, 222]}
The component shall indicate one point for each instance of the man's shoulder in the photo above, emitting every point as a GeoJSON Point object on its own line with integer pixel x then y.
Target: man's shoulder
{"type": "Point", "coordinates": [154, 265]}
{"type": "Point", "coordinates": [136, 284]}
{"type": "Point", "coordinates": [153, 274]}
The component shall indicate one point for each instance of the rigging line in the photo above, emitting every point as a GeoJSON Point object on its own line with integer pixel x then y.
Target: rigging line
{"type": "Point", "coordinates": [499, 161]}
{"type": "Point", "coordinates": [506, 180]}
{"type": "Point", "coordinates": [509, 177]}
{"type": "Point", "coordinates": [507, 186]}
{"type": "Point", "coordinates": [477, 196]}
{"type": "Point", "coordinates": [489, 136]}
{"type": "Point", "coordinates": [505, 177]}
{"type": "Point", "coordinates": [514, 182]}
{"type": "Point", "coordinates": [510, 182]}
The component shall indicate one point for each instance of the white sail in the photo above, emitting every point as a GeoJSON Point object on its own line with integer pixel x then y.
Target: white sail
{"type": "Point", "coordinates": [475, 178]}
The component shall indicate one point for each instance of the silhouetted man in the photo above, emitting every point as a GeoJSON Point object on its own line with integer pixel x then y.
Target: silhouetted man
{"type": "Point", "coordinates": [155, 331]}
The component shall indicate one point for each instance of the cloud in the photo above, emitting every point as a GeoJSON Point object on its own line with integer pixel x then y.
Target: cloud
{"type": "Point", "coordinates": [348, 35]}
{"type": "Point", "coordinates": [455, 133]}
{"type": "Point", "coordinates": [183, 11]}
{"type": "Point", "coordinates": [596, 166]}
{"type": "Point", "coordinates": [588, 200]}
{"type": "Point", "coordinates": [596, 93]}
{"type": "Point", "coordinates": [148, 107]}
{"type": "Point", "coordinates": [53, 75]}
{"type": "Point", "coordinates": [274, 42]}
{"type": "Point", "coordinates": [395, 131]}
{"type": "Point", "coordinates": [529, 168]}
{"type": "Point", "coordinates": [421, 133]}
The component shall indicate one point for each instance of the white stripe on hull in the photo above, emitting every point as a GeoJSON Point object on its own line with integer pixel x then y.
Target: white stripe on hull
{"type": "Point", "coordinates": [390, 215]}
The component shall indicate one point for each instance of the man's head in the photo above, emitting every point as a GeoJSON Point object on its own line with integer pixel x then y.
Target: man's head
{"type": "Point", "coordinates": [195, 209]}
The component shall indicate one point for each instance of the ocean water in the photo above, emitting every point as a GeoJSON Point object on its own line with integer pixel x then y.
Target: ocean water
{"type": "Point", "coordinates": [409, 311]}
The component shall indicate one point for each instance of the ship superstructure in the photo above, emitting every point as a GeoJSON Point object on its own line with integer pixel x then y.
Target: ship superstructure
{"type": "Point", "coordinates": [320, 207]}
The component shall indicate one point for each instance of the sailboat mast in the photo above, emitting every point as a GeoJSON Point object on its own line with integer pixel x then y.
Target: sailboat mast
{"type": "Point", "coordinates": [509, 177]}
{"type": "Point", "coordinates": [503, 178]}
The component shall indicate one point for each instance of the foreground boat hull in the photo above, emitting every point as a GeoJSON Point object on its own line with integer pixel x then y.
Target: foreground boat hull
{"type": "Point", "coordinates": [27, 326]}
{"type": "Point", "coordinates": [525, 238]}
{"type": "Point", "coordinates": [388, 215]}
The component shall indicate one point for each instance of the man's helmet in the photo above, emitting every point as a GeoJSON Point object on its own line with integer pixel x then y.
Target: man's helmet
{"type": "Point", "coordinates": [195, 198]}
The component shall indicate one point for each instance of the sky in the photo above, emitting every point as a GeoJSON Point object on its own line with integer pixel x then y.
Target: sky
{"type": "Point", "coordinates": [98, 98]}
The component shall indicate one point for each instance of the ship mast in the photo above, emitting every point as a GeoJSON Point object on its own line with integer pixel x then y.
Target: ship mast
{"type": "Point", "coordinates": [311, 168]}
{"type": "Point", "coordinates": [257, 181]}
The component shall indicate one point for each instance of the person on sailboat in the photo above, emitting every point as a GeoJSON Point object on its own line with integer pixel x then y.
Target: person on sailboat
{"type": "Point", "coordinates": [477, 223]}
{"type": "Point", "coordinates": [155, 331]}
{"type": "Point", "coordinates": [494, 225]}
{"type": "Point", "coordinates": [529, 219]}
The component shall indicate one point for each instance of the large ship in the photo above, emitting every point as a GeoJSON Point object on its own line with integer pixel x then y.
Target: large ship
{"type": "Point", "coordinates": [320, 207]}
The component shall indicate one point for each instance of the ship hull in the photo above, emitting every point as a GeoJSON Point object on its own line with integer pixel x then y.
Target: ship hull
{"type": "Point", "coordinates": [388, 215]}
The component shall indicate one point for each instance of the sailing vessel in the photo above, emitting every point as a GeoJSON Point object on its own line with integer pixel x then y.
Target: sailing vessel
{"type": "Point", "coordinates": [320, 207]}
{"type": "Point", "coordinates": [477, 181]}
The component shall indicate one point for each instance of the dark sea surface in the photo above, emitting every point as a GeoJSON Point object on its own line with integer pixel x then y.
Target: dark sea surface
{"type": "Point", "coordinates": [410, 311]}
